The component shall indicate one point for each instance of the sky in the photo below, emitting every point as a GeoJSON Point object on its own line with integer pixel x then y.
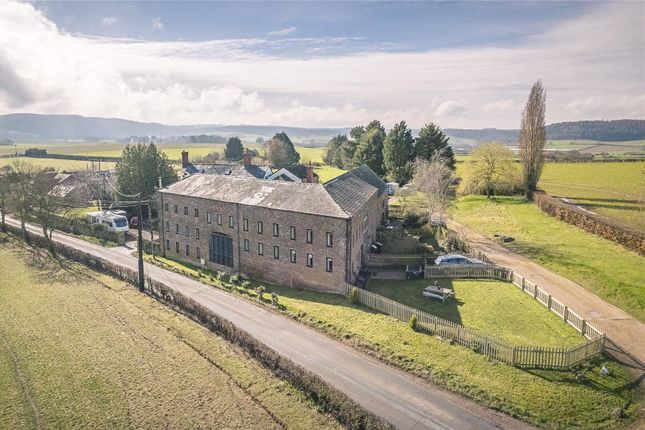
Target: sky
{"type": "Point", "coordinates": [323, 64]}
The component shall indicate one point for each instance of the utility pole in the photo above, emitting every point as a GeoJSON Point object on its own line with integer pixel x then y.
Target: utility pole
{"type": "Point", "coordinates": [162, 224]}
{"type": "Point", "coordinates": [140, 246]}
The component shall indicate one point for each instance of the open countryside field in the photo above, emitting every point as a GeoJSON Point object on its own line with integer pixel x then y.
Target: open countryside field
{"type": "Point", "coordinates": [613, 189]}
{"type": "Point", "coordinates": [491, 307]}
{"type": "Point", "coordinates": [61, 165]}
{"type": "Point", "coordinates": [597, 146]}
{"type": "Point", "coordinates": [82, 350]}
{"type": "Point", "coordinates": [550, 399]}
{"type": "Point", "coordinates": [601, 266]}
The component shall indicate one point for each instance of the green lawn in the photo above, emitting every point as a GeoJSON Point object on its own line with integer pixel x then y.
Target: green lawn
{"type": "Point", "coordinates": [61, 165]}
{"type": "Point", "coordinates": [601, 266]}
{"type": "Point", "coordinates": [327, 173]}
{"type": "Point", "coordinates": [82, 350]}
{"type": "Point", "coordinates": [496, 308]}
{"type": "Point", "coordinates": [550, 399]}
{"type": "Point", "coordinates": [613, 189]}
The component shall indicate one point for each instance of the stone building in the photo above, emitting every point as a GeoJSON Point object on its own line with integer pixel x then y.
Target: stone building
{"type": "Point", "coordinates": [305, 235]}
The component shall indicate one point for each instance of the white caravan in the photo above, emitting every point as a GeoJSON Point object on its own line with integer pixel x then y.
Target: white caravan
{"type": "Point", "coordinates": [115, 221]}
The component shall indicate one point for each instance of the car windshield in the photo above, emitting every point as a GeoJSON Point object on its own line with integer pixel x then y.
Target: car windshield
{"type": "Point", "coordinates": [120, 222]}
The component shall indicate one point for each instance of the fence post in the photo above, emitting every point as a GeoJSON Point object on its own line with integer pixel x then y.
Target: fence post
{"type": "Point", "coordinates": [548, 303]}
{"type": "Point", "coordinates": [523, 279]}
{"type": "Point", "coordinates": [535, 290]}
{"type": "Point", "coordinates": [513, 357]}
{"type": "Point", "coordinates": [582, 327]}
{"type": "Point", "coordinates": [565, 313]}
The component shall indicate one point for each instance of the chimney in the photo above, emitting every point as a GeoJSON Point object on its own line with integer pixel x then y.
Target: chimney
{"type": "Point", "coordinates": [247, 158]}
{"type": "Point", "coordinates": [184, 159]}
{"type": "Point", "coordinates": [311, 179]}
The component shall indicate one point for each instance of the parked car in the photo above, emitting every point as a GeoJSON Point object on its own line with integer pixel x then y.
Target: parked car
{"type": "Point", "coordinates": [134, 222]}
{"type": "Point", "coordinates": [376, 247]}
{"type": "Point", "coordinates": [437, 292]}
{"type": "Point", "coordinates": [457, 260]}
{"type": "Point", "coordinates": [413, 272]}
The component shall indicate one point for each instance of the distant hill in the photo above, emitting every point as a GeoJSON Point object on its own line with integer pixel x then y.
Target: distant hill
{"type": "Point", "coordinates": [34, 127]}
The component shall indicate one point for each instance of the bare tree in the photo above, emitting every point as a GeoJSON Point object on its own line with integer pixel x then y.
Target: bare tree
{"type": "Point", "coordinates": [533, 138]}
{"type": "Point", "coordinates": [491, 170]}
{"type": "Point", "coordinates": [20, 198]}
{"type": "Point", "coordinates": [5, 187]}
{"type": "Point", "coordinates": [47, 205]}
{"type": "Point", "coordinates": [437, 181]}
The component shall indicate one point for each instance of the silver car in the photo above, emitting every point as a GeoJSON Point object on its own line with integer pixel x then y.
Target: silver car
{"type": "Point", "coordinates": [457, 260]}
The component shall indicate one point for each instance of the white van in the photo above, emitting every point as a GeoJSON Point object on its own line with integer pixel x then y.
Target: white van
{"type": "Point", "coordinates": [115, 221]}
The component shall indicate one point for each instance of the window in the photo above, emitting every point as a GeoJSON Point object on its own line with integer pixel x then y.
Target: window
{"type": "Point", "coordinates": [167, 226]}
{"type": "Point", "coordinates": [196, 213]}
{"type": "Point", "coordinates": [310, 260]}
{"type": "Point", "coordinates": [185, 210]}
{"type": "Point", "coordinates": [198, 252]}
{"type": "Point", "coordinates": [186, 231]}
{"type": "Point", "coordinates": [292, 255]}
{"type": "Point", "coordinates": [176, 228]}
{"type": "Point", "coordinates": [208, 217]}
{"type": "Point", "coordinates": [310, 236]}
{"type": "Point", "coordinates": [187, 250]}
{"type": "Point", "coordinates": [292, 233]}
{"type": "Point", "coordinates": [329, 266]}
{"type": "Point", "coordinates": [221, 249]}
{"type": "Point", "coordinates": [196, 233]}
{"type": "Point", "coordinates": [231, 223]}
{"type": "Point", "coordinates": [330, 239]}
{"type": "Point", "coordinates": [219, 219]}
{"type": "Point", "coordinates": [165, 207]}
{"type": "Point", "coordinates": [177, 247]}
{"type": "Point", "coordinates": [276, 252]}
{"type": "Point", "coordinates": [246, 245]}
{"type": "Point", "coordinates": [168, 244]}
{"type": "Point", "coordinates": [174, 209]}
{"type": "Point", "coordinates": [260, 248]}
{"type": "Point", "coordinates": [276, 230]}
{"type": "Point", "coordinates": [245, 224]}
{"type": "Point", "coordinates": [260, 227]}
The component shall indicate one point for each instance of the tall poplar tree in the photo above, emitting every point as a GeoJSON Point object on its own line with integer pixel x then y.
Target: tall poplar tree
{"type": "Point", "coordinates": [398, 153]}
{"type": "Point", "coordinates": [533, 138]}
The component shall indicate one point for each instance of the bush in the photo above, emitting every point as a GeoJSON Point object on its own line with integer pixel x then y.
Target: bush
{"type": "Point", "coordinates": [260, 292]}
{"type": "Point", "coordinates": [452, 242]}
{"type": "Point", "coordinates": [413, 322]}
{"type": "Point", "coordinates": [274, 299]}
{"type": "Point", "coordinates": [220, 276]}
{"type": "Point", "coordinates": [234, 279]}
{"type": "Point", "coordinates": [414, 220]}
{"type": "Point", "coordinates": [353, 295]}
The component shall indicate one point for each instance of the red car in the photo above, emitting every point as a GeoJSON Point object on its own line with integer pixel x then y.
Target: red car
{"type": "Point", "coordinates": [134, 222]}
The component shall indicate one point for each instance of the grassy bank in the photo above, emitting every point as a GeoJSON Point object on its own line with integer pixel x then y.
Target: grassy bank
{"type": "Point", "coordinates": [550, 399]}
{"type": "Point", "coordinates": [82, 350]}
{"type": "Point", "coordinates": [601, 266]}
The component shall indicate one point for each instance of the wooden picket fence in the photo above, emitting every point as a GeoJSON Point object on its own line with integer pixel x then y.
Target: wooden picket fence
{"type": "Point", "coordinates": [487, 271]}
{"type": "Point", "coordinates": [518, 356]}
{"type": "Point", "coordinates": [384, 260]}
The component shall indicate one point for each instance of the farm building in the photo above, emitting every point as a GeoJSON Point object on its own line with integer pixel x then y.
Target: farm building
{"type": "Point", "coordinates": [300, 234]}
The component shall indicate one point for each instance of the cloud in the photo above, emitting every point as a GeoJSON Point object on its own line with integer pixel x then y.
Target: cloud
{"type": "Point", "coordinates": [283, 32]}
{"type": "Point", "coordinates": [590, 67]}
{"type": "Point", "coordinates": [108, 21]}
{"type": "Point", "coordinates": [157, 24]}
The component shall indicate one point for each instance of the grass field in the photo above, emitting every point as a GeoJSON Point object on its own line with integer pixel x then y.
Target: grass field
{"type": "Point", "coordinates": [327, 173]}
{"type": "Point", "coordinates": [603, 267]}
{"type": "Point", "coordinates": [61, 165]}
{"type": "Point", "coordinates": [492, 307]}
{"type": "Point", "coordinates": [612, 189]}
{"type": "Point", "coordinates": [82, 350]}
{"type": "Point", "coordinates": [550, 399]}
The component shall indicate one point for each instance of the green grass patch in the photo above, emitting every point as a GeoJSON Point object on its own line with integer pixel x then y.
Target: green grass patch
{"type": "Point", "coordinates": [94, 353]}
{"type": "Point", "coordinates": [327, 173]}
{"type": "Point", "coordinates": [601, 266]}
{"type": "Point", "coordinates": [549, 399]}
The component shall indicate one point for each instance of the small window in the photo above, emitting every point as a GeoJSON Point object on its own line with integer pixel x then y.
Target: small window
{"type": "Point", "coordinates": [176, 228]}
{"type": "Point", "coordinates": [186, 231]}
{"type": "Point", "coordinates": [310, 260]}
{"type": "Point", "coordinates": [196, 232]}
{"type": "Point", "coordinates": [329, 266]}
{"type": "Point", "coordinates": [330, 239]}
{"type": "Point", "coordinates": [245, 224]}
{"type": "Point", "coordinates": [231, 223]}
{"type": "Point", "coordinates": [292, 233]}
{"type": "Point", "coordinates": [177, 247]}
{"type": "Point", "coordinates": [168, 244]}
{"type": "Point", "coordinates": [208, 217]}
{"type": "Point", "coordinates": [246, 245]}
{"type": "Point", "coordinates": [260, 227]}
{"type": "Point", "coordinates": [260, 248]}
{"type": "Point", "coordinates": [219, 219]}
{"type": "Point", "coordinates": [187, 250]}
{"type": "Point", "coordinates": [276, 252]}
{"type": "Point", "coordinates": [198, 252]}
{"type": "Point", "coordinates": [175, 209]}
{"type": "Point", "coordinates": [310, 236]}
{"type": "Point", "coordinates": [196, 213]}
{"type": "Point", "coordinates": [292, 255]}
{"type": "Point", "coordinates": [165, 207]}
{"type": "Point", "coordinates": [276, 230]}
{"type": "Point", "coordinates": [185, 210]}
{"type": "Point", "coordinates": [167, 226]}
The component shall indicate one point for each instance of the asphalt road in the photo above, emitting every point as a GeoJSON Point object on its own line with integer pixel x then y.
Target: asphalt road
{"type": "Point", "coordinates": [403, 400]}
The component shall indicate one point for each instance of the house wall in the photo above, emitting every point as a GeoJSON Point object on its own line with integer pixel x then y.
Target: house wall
{"type": "Point", "coordinates": [364, 226]}
{"type": "Point", "coordinates": [261, 267]}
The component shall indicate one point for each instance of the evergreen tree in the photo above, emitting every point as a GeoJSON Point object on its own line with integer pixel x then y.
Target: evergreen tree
{"type": "Point", "coordinates": [398, 153]}
{"type": "Point", "coordinates": [370, 148]}
{"type": "Point", "coordinates": [140, 167]}
{"type": "Point", "coordinates": [333, 156]}
{"type": "Point", "coordinates": [281, 151]}
{"type": "Point", "coordinates": [432, 141]}
{"type": "Point", "coordinates": [234, 149]}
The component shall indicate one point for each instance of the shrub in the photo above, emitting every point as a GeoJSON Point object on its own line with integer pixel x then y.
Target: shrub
{"type": "Point", "coordinates": [274, 299]}
{"type": "Point", "coordinates": [414, 220]}
{"type": "Point", "coordinates": [413, 322]}
{"type": "Point", "coordinates": [246, 285]}
{"type": "Point", "coordinates": [220, 276]}
{"type": "Point", "coordinates": [260, 292]}
{"type": "Point", "coordinates": [452, 242]}
{"type": "Point", "coordinates": [353, 295]}
{"type": "Point", "coordinates": [234, 279]}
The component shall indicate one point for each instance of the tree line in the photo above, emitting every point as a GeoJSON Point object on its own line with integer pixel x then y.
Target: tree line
{"type": "Point", "coordinates": [390, 154]}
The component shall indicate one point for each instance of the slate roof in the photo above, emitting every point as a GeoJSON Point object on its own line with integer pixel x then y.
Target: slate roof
{"type": "Point", "coordinates": [365, 174]}
{"type": "Point", "coordinates": [251, 171]}
{"type": "Point", "coordinates": [287, 196]}
{"type": "Point", "coordinates": [350, 192]}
